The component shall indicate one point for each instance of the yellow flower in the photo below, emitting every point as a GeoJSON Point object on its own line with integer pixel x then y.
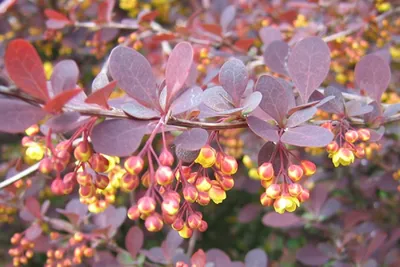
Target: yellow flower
{"type": "Point", "coordinates": [343, 157]}
{"type": "Point", "coordinates": [206, 157]}
{"type": "Point", "coordinates": [35, 151]}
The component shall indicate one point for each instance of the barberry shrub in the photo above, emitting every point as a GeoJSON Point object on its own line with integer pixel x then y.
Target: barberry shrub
{"type": "Point", "coordinates": [205, 121]}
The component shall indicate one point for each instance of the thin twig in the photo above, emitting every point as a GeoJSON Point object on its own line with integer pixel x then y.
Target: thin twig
{"type": "Point", "coordinates": [192, 243]}
{"type": "Point", "coordinates": [20, 175]}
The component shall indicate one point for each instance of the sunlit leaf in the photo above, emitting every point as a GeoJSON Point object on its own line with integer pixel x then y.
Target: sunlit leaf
{"type": "Point", "coordinates": [188, 100]}
{"type": "Point", "coordinates": [275, 56]}
{"type": "Point", "coordinates": [193, 139]}
{"type": "Point", "coordinates": [101, 95]}
{"type": "Point", "coordinates": [269, 34]}
{"type": "Point", "coordinates": [307, 136]}
{"type": "Point", "coordinates": [57, 103]}
{"type": "Point", "coordinates": [134, 240]}
{"type": "Point", "coordinates": [233, 78]}
{"type": "Point", "coordinates": [227, 17]}
{"type": "Point", "coordinates": [256, 258]}
{"type": "Point", "coordinates": [263, 129]}
{"type": "Point", "coordinates": [285, 220]}
{"type": "Point", "coordinates": [138, 111]}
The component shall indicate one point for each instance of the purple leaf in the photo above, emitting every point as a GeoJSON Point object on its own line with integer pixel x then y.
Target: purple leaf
{"type": "Point", "coordinates": [308, 65]}
{"type": "Point", "coordinates": [45, 207]}
{"type": "Point", "coordinates": [256, 258]}
{"type": "Point", "coordinates": [249, 212]}
{"type": "Point", "coordinates": [33, 232]}
{"type": "Point", "coordinates": [233, 77]}
{"type": "Point", "coordinates": [178, 68]}
{"type": "Point", "coordinates": [75, 211]}
{"type": "Point", "coordinates": [227, 17]}
{"type": "Point", "coordinates": [318, 198]}
{"type": "Point", "coordinates": [285, 220]}
{"type": "Point", "coordinates": [171, 243]}
{"type": "Point", "coordinates": [65, 122]}
{"type": "Point", "coordinates": [263, 129]}
{"type": "Point", "coordinates": [139, 111]}
{"type": "Point", "coordinates": [33, 206]}
{"type": "Point", "coordinates": [376, 135]}
{"type": "Point", "coordinates": [133, 73]}
{"type": "Point", "coordinates": [372, 74]}
{"type": "Point", "coordinates": [376, 242]}
{"type": "Point", "coordinates": [391, 110]}
{"type": "Point", "coordinates": [190, 99]}
{"type": "Point", "coordinates": [186, 156]}
{"type": "Point", "coordinates": [112, 218]}
{"type": "Point", "coordinates": [193, 139]}
{"type": "Point", "coordinates": [199, 258]}
{"type": "Point", "coordinates": [269, 34]}
{"type": "Point", "coordinates": [310, 255]}
{"type": "Point", "coordinates": [101, 79]}
{"type": "Point", "coordinates": [155, 254]}
{"type": "Point", "coordinates": [330, 207]}
{"type": "Point", "coordinates": [301, 116]}
{"type": "Point", "coordinates": [217, 99]}
{"type": "Point", "coordinates": [218, 257]}
{"type": "Point", "coordinates": [275, 101]}
{"type": "Point", "coordinates": [134, 240]}
{"type": "Point", "coordinates": [16, 115]}
{"type": "Point", "coordinates": [357, 108]}
{"type": "Point", "coordinates": [64, 77]}
{"type": "Point", "coordinates": [337, 104]}
{"type": "Point", "coordinates": [118, 137]}
{"type": "Point", "coordinates": [307, 136]}
{"type": "Point", "coordinates": [275, 56]}
{"type": "Point", "coordinates": [265, 154]}
{"type": "Point", "coordinates": [251, 103]}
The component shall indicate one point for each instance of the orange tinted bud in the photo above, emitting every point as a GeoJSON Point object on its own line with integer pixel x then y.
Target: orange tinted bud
{"type": "Point", "coordinates": [170, 206]}
{"type": "Point", "coordinates": [54, 235]}
{"type": "Point", "coordinates": [58, 254]}
{"type": "Point", "coordinates": [203, 183]}
{"type": "Point", "coordinates": [16, 237]}
{"type": "Point", "coordinates": [194, 221]}
{"type": "Point", "coordinates": [133, 212]}
{"type": "Point", "coordinates": [309, 167]}
{"type": "Point", "coordinates": [266, 171]}
{"type": "Point", "coordinates": [185, 232]}
{"type": "Point", "coordinates": [192, 177]}
{"type": "Point", "coordinates": [87, 191]}
{"type": "Point", "coordinates": [364, 134]}
{"type": "Point", "coordinates": [178, 224]}
{"type": "Point", "coordinates": [304, 195]}
{"type": "Point", "coordinates": [146, 179]}
{"type": "Point", "coordinates": [84, 178]}
{"type": "Point", "coordinates": [78, 237]}
{"type": "Point", "coordinates": [185, 171]}
{"type": "Point", "coordinates": [217, 193]}
{"type": "Point", "coordinates": [134, 164]}
{"type": "Point", "coordinates": [102, 181]}
{"type": "Point", "coordinates": [327, 125]}
{"type": "Point", "coordinates": [360, 152]}
{"type": "Point", "coordinates": [60, 160]}
{"type": "Point", "coordinates": [203, 226]}
{"type": "Point", "coordinates": [67, 188]}
{"type": "Point", "coordinates": [168, 219]}
{"type": "Point", "coordinates": [280, 204]}
{"type": "Point", "coordinates": [64, 145]}
{"type": "Point", "coordinates": [29, 253]}
{"type": "Point", "coordinates": [146, 205]}
{"type": "Point", "coordinates": [166, 158]}
{"type": "Point", "coordinates": [46, 166]}
{"type": "Point", "coordinates": [164, 175]}
{"type": "Point", "coordinates": [69, 178]}
{"type": "Point", "coordinates": [181, 264]}
{"type": "Point", "coordinates": [203, 198]}
{"type": "Point", "coordinates": [219, 159]}
{"type": "Point", "coordinates": [129, 182]}
{"type": "Point", "coordinates": [266, 183]}
{"type": "Point", "coordinates": [57, 186]}
{"type": "Point", "coordinates": [33, 130]}
{"type": "Point", "coordinates": [206, 157]}
{"type": "Point", "coordinates": [23, 260]}
{"type": "Point", "coordinates": [88, 252]}
{"type": "Point", "coordinates": [266, 200]}
{"type": "Point", "coordinates": [83, 151]}
{"type": "Point", "coordinates": [99, 163]}
{"type": "Point", "coordinates": [225, 181]}
{"type": "Point", "coordinates": [154, 223]}
{"type": "Point", "coordinates": [295, 172]}
{"type": "Point", "coordinates": [351, 136]}
{"type": "Point", "coordinates": [273, 191]}
{"type": "Point", "coordinates": [332, 147]}
{"type": "Point", "coordinates": [229, 165]}
{"type": "Point", "coordinates": [294, 189]}
{"type": "Point", "coordinates": [190, 193]}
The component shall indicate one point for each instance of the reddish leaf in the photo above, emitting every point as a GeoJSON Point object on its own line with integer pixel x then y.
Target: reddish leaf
{"type": "Point", "coordinates": [275, 101]}
{"type": "Point", "coordinates": [376, 242]}
{"type": "Point", "coordinates": [33, 232]}
{"type": "Point", "coordinates": [308, 65]}
{"type": "Point", "coordinates": [118, 137]}
{"type": "Point", "coordinates": [33, 206]}
{"type": "Point", "coordinates": [233, 77]}
{"type": "Point", "coordinates": [244, 44]}
{"type": "Point", "coordinates": [134, 240]}
{"type": "Point", "coordinates": [193, 139]}
{"type": "Point", "coordinates": [171, 244]}
{"type": "Point", "coordinates": [263, 129]}
{"type": "Point", "coordinates": [307, 136]}
{"type": "Point", "coordinates": [372, 74]}
{"type": "Point", "coordinates": [133, 73]}
{"type": "Point", "coordinates": [25, 68]}
{"type": "Point", "coordinates": [218, 257]}
{"type": "Point", "coordinates": [105, 9]}
{"type": "Point", "coordinates": [269, 34]}
{"type": "Point", "coordinates": [352, 218]}
{"type": "Point", "coordinates": [164, 37]}
{"type": "Point", "coordinates": [16, 115]}
{"type": "Point", "coordinates": [256, 258]}
{"type": "Point", "coordinates": [310, 255]}
{"type": "Point", "coordinates": [57, 103]}
{"type": "Point", "coordinates": [178, 68]}
{"type": "Point", "coordinates": [55, 15]}
{"type": "Point", "coordinates": [199, 258]}
{"type": "Point", "coordinates": [275, 56]}
{"type": "Point", "coordinates": [212, 28]}
{"type": "Point", "coordinates": [285, 220]}
{"type": "Point", "coordinates": [248, 213]}
{"type": "Point", "coordinates": [100, 96]}
{"type": "Point", "coordinates": [64, 77]}
{"type": "Point", "coordinates": [148, 15]}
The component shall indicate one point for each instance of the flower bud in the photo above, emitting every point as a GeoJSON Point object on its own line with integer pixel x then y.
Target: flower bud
{"type": "Point", "coordinates": [61, 160]}
{"type": "Point", "coordinates": [203, 183]}
{"type": "Point", "coordinates": [166, 158]}
{"type": "Point", "coordinates": [194, 221]}
{"type": "Point", "coordinates": [146, 179]}
{"type": "Point", "coordinates": [99, 163]}
{"type": "Point", "coordinates": [190, 193]}
{"type": "Point", "coordinates": [344, 156]}
{"type": "Point", "coordinates": [102, 181]}
{"type": "Point", "coordinates": [295, 172]}
{"type": "Point", "coordinates": [332, 147]}
{"type": "Point", "coordinates": [266, 171]}
{"type": "Point", "coordinates": [280, 204]}
{"type": "Point", "coordinates": [134, 164]}
{"type": "Point", "coordinates": [294, 189]}
{"type": "Point", "coordinates": [84, 178]}
{"type": "Point", "coordinates": [304, 195]}
{"type": "Point", "coordinates": [67, 188]}
{"type": "Point", "coordinates": [146, 205]}
{"type": "Point", "coordinates": [309, 167]}
{"type": "Point", "coordinates": [57, 186]}
{"type": "Point", "coordinates": [169, 219]}
{"type": "Point", "coordinates": [203, 226]}
{"type": "Point", "coordinates": [129, 182]}
{"type": "Point", "coordinates": [217, 193]}
{"type": "Point", "coordinates": [185, 232]}
{"type": "Point", "coordinates": [133, 212]}
{"type": "Point", "coordinates": [203, 198]}
{"type": "Point", "coordinates": [69, 178]}
{"type": "Point", "coordinates": [328, 126]}
{"type": "Point", "coordinates": [206, 157]}
{"type": "Point", "coordinates": [273, 191]}
{"type": "Point", "coordinates": [364, 134]}
{"type": "Point", "coordinates": [192, 177]}
{"type": "Point", "coordinates": [87, 191]}
{"type": "Point", "coordinates": [46, 166]}
{"type": "Point", "coordinates": [83, 151]}
{"type": "Point", "coordinates": [164, 175]}
{"type": "Point", "coordinates": [170, 206]}
{"type": "Point", "coordinates": [266, 200]}
{"type": "Point", "coordinates": [360, 152]}
{"type": "Point", "coordinates": [183, 170]}
{"type": "Point", "coordinates": [229, 165]}
{"type": "Point", "coordinates": [219, 159]}
{"type": "Point", "coordinates": [178, 224]}
{"type": "Point", "coordinates": [351, 136]}
{"type": "Point", "coordinates": [154, 223]}
{"type": "Point", "coordinates": [225, 181]}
